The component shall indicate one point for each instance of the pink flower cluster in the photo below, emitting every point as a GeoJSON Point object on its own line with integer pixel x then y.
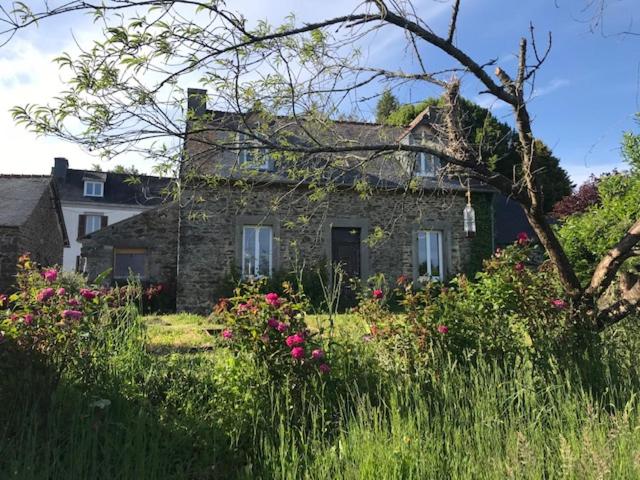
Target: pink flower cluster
{"type": "Point", "coordinates": [50, 275]}
{"type": "Point", "coordinates": [273, 299]}
{"type": "Point", "coordinates": [523, 238]}
{"type": "Point", "coordinates": [3, 300]}
{"type": "Point", "coordinates": [377, 294]}
{"type": "Point", "coordinates": [559, 304]}
{"type": "Point", "coordinates": [45, 294]}
{"type": "Point", "coordinates": [71, 314]}
{"type": "Point", "coordinates": [88, 294]}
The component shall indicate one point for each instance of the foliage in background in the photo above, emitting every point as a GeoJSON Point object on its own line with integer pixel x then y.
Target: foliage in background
{"type": "Point", "coordinates": [580, 200]}
{"type": "Point", "coordinates": [587, 236]}
{"type": "Point", "coordinates": [497, 144]}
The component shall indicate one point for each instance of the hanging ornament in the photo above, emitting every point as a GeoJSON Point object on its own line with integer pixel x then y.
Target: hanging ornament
{"type": "Point", "coordinates": [469, 216]}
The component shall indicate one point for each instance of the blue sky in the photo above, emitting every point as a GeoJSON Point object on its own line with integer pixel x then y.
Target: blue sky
{"type": "Point", "coordinates": [586, 94]}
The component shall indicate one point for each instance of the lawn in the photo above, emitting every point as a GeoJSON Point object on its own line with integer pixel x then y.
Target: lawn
{"type": "Point", "coordinates": [187, 333]}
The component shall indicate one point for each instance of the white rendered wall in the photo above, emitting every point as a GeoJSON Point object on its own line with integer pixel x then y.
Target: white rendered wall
{"type": "Point", "coordinates": [72, 211]}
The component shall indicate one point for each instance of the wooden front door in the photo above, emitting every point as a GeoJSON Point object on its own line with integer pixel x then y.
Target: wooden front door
{"type": "Point", "coordinates": [345, 251]}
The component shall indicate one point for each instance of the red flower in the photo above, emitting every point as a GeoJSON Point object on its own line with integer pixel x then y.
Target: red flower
{"type": "Point", "coordinates": [50, 275]}
{"type": "Point", "coordinates": [87, 294]}
{"type": "Point", "coordinates": [273, 299]}
{"type": "Point", "coordinates": [273, 323]}
{"type": "Point", "coordinates": [519, 267]}
{"type": "Point", "coordinates": [293, 340]}
{"type": "Point", "coordinates": [45, 294]}
{"type": "Point", "coordinates": [72, 314]}
{"type": "Point", "coordinates": [3, 300]}
{"type": "Point", "coordinates": [324, 368]}
{"type": "Point", "coordinates": [227, 334]}
{"type": "Point", "coordinates": [28, 319]}
{"type": "Point", "coordinates": [523, 238]}
{"type": "Point", "coordinates": [559, 304]}
{"type": "Point", "coordinates": [282, 327]}
{"type": "Point", "coordinates": [377, 294]}
{"type": "Point", "coordinates": [317, 354]}
{"type": "Point", "coordinates": [297, 353]}
{"type": "Point", "coordinates": [443, 329]}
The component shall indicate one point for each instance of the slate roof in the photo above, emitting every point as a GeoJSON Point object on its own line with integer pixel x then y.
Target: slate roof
{"type": "Point", "coordinates": [19, 195]}
{"type": "Point", "coordinates": [146, 191]}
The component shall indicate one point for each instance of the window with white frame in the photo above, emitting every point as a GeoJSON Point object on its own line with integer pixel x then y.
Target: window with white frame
{"type": "Point", "coordinates": [251, 156]}
{"type": "Point", "coordinates": [430, 263]}
{"type": "Point", "coordinates": [93, 189]}
{"type": "Point", "coordinates": [92, 224]}
{"type": "Point", "coordinates": [427, 165]}
{"type": "Point", "coordinates": [257, 251]}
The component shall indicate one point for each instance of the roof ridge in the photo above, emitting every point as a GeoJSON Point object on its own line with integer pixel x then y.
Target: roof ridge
{"type": "Point", "coordinates": [19, 175]}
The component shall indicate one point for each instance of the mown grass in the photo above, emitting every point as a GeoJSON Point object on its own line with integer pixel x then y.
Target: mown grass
{"type": "Point", "coordinates": [157, 414]}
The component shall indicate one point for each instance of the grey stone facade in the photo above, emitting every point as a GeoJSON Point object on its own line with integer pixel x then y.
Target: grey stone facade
{"type": "Point", "coordinates": [32, 223]}
{"type": "Point", "coordinates": [210, 234]}
{"type": "Point", "coordinates": [155, 232]}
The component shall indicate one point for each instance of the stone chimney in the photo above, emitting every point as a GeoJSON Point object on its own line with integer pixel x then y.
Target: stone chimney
{"type": "Point", "coordinates": [197, 101]}
{"type": "Point", "coordinates": [59, 170]}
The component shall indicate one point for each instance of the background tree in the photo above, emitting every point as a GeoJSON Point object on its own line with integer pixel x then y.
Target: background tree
{"type": "Point", "coordinates": [124, 94]}
{"type": "Point", "coordinates": [582, 199]}
{"type": "Point", "coordinates": [387, 104]}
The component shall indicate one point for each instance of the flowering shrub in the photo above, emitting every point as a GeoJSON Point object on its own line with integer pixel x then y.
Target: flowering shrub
{"type": "Point", "coordinates": [274, 328]}
{"type": "Point", "coordinates": [511, 308]}
{"type": "Point", "coordinates": [50, 317]}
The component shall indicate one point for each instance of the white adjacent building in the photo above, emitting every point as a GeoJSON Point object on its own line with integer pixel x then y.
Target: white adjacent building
{"type": "Point", "coordinates": [92, 200]}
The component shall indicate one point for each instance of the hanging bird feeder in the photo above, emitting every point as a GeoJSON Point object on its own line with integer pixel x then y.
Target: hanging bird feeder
{"type": "Point", "coordinates": [469, 216]}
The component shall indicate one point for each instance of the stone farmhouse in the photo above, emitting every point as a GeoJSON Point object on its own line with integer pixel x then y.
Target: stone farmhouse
{"type": "Point", "coordinates": [31, 220]}
{"type": "Point", "coordinates": [242, 210]}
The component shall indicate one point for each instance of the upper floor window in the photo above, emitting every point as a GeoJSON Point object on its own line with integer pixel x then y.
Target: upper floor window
{"type": "Point", "coordinates": [257, 251]}
{"type": "Point", "coordinates": [430, 264]}
{"type": "Point", "coordinates": [93, 223]}
{"type": "Point", "coordinates": [427, 165]}
{"type": "Point", "coordinates": [252, 156]}
{"type": "Point", "coordinates": [93, 189]}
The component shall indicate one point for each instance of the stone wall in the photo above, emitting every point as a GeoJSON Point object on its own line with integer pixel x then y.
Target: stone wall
{"type": "Point", "coordinates": [210, 238]}
{"type": "Point", "coordinates": [9, 237]}
{"type": "Point", "coordinates": [42, 234]}
{"type": "Point", "coordinates": [154, 230]}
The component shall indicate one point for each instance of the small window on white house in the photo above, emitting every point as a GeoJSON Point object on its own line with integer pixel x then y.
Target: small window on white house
{"type": "Point", "coordinates": [93, 223]}
{"type": "Point", "coordinates": [427, 165]}
{"type": "Point", "coordinates": [253, 157]}
{"type": "Point", "coordinates": [93, 189]}
{"type": "Point", "coordinates": [129, 261]}
{"type": "Point", "coordinates": [257, 251]}
{"type": "Point", "coordinates": [430, 265]}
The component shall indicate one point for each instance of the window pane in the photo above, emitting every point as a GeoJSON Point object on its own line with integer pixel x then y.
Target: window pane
{"type": "Point", "coordinates": [422, 254]}
{"type": "Point", "coordinates": [124, 262]}
{"type": "Point", "coordinates": [265, 251]}
{"type": "Point", "coordinates": [93, 223]}
{"type": "Point", "coordinates": [434, 253]}
{"type": "Point", "coordinates": [248, 251]}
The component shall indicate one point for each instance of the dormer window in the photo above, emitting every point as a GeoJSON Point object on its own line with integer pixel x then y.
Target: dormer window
{"type": "Point", "coordinates": [93, 189]}
{"type": "Point", "coordinates": [427, 165]}
{"type": "Point", "coordinates": [252, 157]}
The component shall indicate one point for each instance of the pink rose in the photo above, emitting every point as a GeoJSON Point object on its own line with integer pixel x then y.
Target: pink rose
{"type": "Point", "coordinates": [227, 334]}
{"type": "Point", "coordinates": [317, 354]}
{"type": "Point", "coordinates": [61, 291]}
{"type": "Point", "coordinates": [377, 294]}
{"type": "Point", "coordinates": [73, 302]}
{"type": "Point", "coordinates": [559, 304]}
{"type": "Point", "coordinates": [282, 327]}
{"type": "Point", "coordinates": [519, 267]}
{"type": "Point", "coordinates": [273, 323]}
{"type": "Point", "coordinates": [45, 294]}
{"type": "Point", "coordinates": [443, 329]}
{"type": "Point", "coordinates": [297, 353]}
{"type": "Point", "coordinates": [523, 238]}
{"type": "Point", "coordinates": [273, 299]}
{"type": "Point", "coordinates": [293, 340]}
{"type": "Point", "coordinates": [72, 314]}
{"type": "Point", "coordinates": [50, 275]}
{"type": "Point", "coordinates": [88, 294]}
{"type": "Point", "coordinates": [324, 368]}
{"type": "Point", "coordinates": [28, 319]}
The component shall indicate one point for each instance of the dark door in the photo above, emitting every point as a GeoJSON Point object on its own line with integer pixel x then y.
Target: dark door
{"type": "Point", "coordinates": [345, 251]}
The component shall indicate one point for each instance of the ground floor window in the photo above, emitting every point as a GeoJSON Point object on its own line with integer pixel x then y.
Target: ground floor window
{"type": "Point", "coordinates": [129, 261]}
{"type": "Point", "coordinates": [257, 251]}
{"type": "Point", "coordinates": [430, 265]}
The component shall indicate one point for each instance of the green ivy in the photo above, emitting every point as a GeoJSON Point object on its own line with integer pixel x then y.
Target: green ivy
{"type": "Point", "coordinates": [482, 243]}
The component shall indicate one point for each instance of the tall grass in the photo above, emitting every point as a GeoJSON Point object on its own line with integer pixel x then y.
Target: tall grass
{"type": "Point", "coordinates": [217, 415]}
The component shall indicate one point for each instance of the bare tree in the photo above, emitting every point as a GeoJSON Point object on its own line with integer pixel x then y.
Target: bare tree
{"type": "Point", "coordinates": [284, 85]}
